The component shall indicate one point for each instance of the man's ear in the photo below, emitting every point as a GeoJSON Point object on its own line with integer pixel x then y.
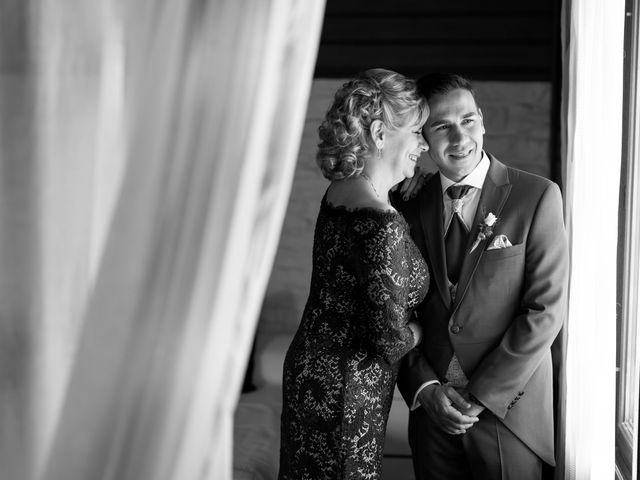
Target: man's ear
{"type": "Point", "coordinates": [482, 120]}
{"type": "Point", "coordinates": [376, 129]}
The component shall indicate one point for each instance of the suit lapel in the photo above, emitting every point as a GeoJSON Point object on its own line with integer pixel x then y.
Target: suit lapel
{"type": "Point", "coordinates": [495, 191]}
{"type": "Point", "coordinates": [430, 214]}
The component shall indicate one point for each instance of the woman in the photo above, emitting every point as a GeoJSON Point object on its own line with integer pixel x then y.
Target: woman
{"type": "Point", "coordinates": [340, 370]}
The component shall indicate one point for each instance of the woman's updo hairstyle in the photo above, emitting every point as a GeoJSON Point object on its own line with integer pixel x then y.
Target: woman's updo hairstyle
{"type": "Point", "coordinates": [345, 137]}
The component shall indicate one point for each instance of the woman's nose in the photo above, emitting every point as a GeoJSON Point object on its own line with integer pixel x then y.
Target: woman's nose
{"type": "Point", "coordinates": [423, 144]}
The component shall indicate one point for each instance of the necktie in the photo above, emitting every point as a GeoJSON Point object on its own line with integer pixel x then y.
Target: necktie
{"type": "Point", "coordinates": [456, 237]}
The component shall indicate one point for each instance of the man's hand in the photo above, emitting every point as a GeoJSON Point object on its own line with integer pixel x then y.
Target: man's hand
{"type": "Point", "coordinates": [445, 407]}
{"type": "Point", "coordinates": [474, 410]}
{"type": "Point", "coordinates": [410, 187]}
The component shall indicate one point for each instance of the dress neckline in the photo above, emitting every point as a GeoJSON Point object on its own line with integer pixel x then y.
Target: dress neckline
{"type": "Point", "coordinates": [390, 214]}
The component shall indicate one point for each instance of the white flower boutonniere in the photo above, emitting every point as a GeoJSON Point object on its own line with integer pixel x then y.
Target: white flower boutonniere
{"type": "Point", "coordinates": [486, 230]}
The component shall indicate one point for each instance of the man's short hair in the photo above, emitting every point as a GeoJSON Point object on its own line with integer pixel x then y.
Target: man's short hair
{"type": "Point", "coordinates": [434, 84]}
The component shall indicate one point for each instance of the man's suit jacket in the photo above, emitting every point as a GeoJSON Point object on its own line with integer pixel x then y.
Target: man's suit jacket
{"type": "Point", "coordinates": [510, 303]}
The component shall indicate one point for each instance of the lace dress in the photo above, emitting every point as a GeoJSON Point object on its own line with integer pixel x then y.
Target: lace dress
{"type": "Point", "coordinates": [340, 370]}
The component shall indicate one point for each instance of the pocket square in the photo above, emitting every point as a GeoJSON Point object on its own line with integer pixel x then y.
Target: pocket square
{"type": "Point", "coordinates": [499, 241]}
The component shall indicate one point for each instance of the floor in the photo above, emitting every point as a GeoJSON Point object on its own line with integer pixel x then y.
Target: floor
{"type": "Point", "coordinates": [397, 460]}
{"type": "Point", "coordinates": [397, 468]}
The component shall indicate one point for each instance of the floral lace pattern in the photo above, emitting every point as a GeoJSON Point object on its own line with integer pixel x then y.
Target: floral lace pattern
{"type": "Point", "coordinates": [341, 368]}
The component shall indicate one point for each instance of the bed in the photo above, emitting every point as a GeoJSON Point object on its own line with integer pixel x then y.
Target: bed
{"type": "Point", "coordinates": [256, 446]}
{"type": "Point", "coordinates": [256, 443]}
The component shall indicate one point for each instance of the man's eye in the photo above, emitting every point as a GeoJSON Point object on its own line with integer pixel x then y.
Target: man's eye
{"type": "Point", "coordinates": [442, 127]}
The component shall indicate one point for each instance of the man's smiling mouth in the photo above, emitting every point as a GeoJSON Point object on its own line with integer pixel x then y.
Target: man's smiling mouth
{"type": "Point", "coordinates": [461, 155]}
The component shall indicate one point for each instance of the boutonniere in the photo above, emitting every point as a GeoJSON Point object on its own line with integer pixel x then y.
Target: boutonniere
{"type": "Point", "coordinates": [486, 230]}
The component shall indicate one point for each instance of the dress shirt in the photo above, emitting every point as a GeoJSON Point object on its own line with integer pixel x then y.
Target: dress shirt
{"type": "Point", "coordinates": [471, 200]}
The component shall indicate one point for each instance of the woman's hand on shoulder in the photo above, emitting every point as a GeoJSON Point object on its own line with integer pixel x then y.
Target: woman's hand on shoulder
{"type": "Point", "coordinates": [410, 187]}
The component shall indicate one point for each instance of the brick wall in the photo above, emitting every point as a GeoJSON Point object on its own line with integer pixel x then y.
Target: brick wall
{"type": "Point", "coordinates": [517, 117]}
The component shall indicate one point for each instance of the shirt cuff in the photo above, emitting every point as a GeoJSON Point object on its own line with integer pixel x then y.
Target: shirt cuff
{"type": "Point", "coordinates": [475, 400]}
{"type": "Point", "coordinates": [416, 403]}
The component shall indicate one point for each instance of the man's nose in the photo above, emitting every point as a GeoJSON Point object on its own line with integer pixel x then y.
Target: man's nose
{"type": "Point", "coordinates": [456, 135]}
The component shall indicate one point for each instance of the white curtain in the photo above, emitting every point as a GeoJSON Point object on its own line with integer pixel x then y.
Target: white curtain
{"type": "Point", "coordinates": [592, 105]}
{"type": "Point", "coordinates": [146, 155]}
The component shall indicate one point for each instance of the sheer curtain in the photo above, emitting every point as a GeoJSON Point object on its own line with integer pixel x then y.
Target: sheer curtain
{"type": "Point", "coordinates": [592, 104]}
{"type": "Point", "coordinates": [146, 158]}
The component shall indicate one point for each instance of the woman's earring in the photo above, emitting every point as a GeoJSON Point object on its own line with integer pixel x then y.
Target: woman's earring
{"type": "Point", "coordinates": [379, 153]}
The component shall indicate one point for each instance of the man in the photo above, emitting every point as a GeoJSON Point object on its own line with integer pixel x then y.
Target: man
{"type": "Point", "coordinates": [480, 384]}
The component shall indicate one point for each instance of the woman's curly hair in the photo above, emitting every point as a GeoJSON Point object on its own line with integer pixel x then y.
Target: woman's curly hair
{"type": "Point", "coordinates": [345, 137]}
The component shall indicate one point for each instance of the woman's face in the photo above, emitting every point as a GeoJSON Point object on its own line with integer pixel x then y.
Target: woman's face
{"type": "Point", "coordinates": [402, 148]}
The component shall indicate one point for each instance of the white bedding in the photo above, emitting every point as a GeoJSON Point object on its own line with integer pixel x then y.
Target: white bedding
{"type": "Point", "coordinates": [256, 442]}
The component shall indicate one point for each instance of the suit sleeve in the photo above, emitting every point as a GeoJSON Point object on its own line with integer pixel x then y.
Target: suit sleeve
{"type": "Point", "coordinates": [415, 372]}
{"type": "Point", "coordinates": [508, 367]}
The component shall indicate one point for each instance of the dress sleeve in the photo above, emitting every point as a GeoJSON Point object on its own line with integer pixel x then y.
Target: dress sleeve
{"type": "Point", "coordinates": [383, 269]}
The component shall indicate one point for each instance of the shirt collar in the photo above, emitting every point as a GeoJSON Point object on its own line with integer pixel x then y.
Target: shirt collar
{"type": "Point", "coordinates": [474, 179]}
